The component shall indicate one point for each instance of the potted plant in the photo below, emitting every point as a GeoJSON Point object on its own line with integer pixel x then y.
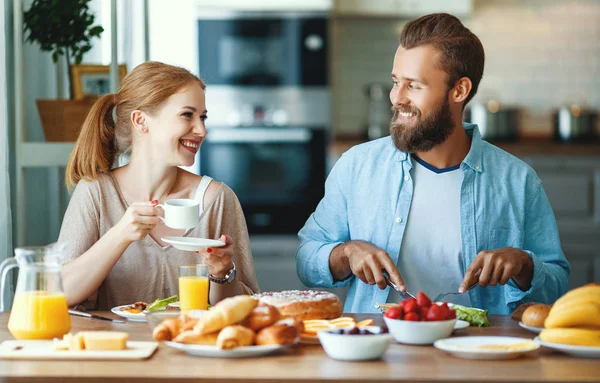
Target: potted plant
{"type": "Point", "coordinates": [64, 28]}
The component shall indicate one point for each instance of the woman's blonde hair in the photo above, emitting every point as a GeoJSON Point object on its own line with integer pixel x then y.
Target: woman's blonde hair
{"type": "Point", "coordinates": [101, 139]}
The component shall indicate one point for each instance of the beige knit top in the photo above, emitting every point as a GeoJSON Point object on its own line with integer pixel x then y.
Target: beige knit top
{"type": "Point", "coordinates": [147, 271]}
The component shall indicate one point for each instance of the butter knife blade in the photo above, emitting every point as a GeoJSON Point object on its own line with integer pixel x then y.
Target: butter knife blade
{"type": "Point", "coordinates": [93, 316]}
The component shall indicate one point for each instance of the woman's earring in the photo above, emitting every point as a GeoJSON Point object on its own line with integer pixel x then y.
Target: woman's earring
{"type": "Point", "coordinates": [145, 128]}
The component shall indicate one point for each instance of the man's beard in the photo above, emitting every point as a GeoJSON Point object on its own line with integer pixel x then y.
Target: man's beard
{"type": "Point", "coordinates": [423, 135]}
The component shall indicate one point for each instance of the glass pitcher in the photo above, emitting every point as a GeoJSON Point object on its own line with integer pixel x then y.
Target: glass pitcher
{"type": "Point", "coordinates": [39, 309]}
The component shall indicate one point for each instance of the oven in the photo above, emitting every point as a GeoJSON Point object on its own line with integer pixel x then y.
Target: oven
{"type": "Point", "coordinates": [269, 113]}
{"type": "Point", "coordinates": [277, 173]}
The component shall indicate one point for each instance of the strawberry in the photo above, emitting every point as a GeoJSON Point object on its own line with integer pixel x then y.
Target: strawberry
{"type": "Point", "coordinates": [435, 313]}
{"type": "Point", "coordinates": [394, 312]}
{"type": "Point", "coordinates": [412, 316]}
{"type": "Point", "coordinates": [451, 314]}
{"type": "Point", "coordinates": [423, 311]}
{"type": "Point", "coordinates": [410, 305]}
{"type": "Point", "coordinates": [423, 300]}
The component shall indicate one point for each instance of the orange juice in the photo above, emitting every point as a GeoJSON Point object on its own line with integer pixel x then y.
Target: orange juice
{"type": "Point", "coordinates": [193, 293]}
{"type": "Point", "coordinates": [39, 315]}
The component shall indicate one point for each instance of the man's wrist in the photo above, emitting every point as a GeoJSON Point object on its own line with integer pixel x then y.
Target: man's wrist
{"type": "Point", "coordinates": [339, 264]}
{"type": "Point", "coordinates": [525, 276]}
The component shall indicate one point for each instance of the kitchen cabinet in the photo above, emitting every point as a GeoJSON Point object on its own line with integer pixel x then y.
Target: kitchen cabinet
{"type": "Point", "coordinates": [264, 5]}
{"type": "Point", "coordinates": [573, 188]}
{"type": "Point", "coordinates": [401, 8]}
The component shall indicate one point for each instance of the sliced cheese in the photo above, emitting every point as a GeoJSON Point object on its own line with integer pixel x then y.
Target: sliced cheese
{"type": "Point", "coordinates": [76, 342]}
{"type": "Point", "coordinates": [64, 343]}
{"type": "Point", "coordinates": [104, 340]}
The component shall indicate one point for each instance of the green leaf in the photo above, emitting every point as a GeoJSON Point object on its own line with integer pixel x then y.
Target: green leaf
{"type": "Point", "coordinates": [58, 25]}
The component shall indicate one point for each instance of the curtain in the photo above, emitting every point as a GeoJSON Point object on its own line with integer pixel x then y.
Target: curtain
{"type": "Point", "coordinates": [5, 214]}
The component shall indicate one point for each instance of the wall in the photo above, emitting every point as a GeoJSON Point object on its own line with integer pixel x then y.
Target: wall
{"type": "Point", "coordinates": [540, 54]}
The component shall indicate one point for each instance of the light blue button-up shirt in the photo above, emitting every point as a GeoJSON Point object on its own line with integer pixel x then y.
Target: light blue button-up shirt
{"type": "Point", "coordinates": [502, 204]}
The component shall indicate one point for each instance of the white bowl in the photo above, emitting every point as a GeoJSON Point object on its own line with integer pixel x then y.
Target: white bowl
{"type": "Point", "coordinates": [419, 332]}
{"type": "Point", "coordinates": [355, 347]}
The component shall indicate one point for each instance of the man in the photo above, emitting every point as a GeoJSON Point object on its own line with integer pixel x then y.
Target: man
{"type": "Point", "coordinates": [434, 206]}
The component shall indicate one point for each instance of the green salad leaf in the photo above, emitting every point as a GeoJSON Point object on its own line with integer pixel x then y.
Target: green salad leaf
{"type": "Point", "coordinates": [161, 304]}
{"type": "Point", "coordinates": [475, 317]}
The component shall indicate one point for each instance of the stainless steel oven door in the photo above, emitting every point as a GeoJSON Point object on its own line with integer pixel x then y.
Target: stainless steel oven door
{"type": "Point", "coordinates": [278, 174]}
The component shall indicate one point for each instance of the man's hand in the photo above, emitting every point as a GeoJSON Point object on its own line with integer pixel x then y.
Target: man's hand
{"type": "Point", "coordinates": [499, 266]}
{"type": "Point", "coordinates": [367, 262]}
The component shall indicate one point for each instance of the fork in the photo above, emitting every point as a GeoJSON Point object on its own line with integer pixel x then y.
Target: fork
{"type": "Point", "coordinates": [440, 296]}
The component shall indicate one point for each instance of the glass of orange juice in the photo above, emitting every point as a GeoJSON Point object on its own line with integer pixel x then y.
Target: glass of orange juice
{"type": "Point", "coordinates": [193, 287]}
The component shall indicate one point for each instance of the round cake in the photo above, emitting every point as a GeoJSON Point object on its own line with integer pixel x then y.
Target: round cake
{"type": "Point", "coordinates": [304, 304]}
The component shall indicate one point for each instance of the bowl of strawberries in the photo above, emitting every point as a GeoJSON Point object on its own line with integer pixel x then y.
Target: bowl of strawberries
{"type": "Point", "coordinates": [419, 321]}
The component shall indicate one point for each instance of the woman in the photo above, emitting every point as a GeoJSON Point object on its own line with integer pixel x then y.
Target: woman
{"type": "Point", "coordinates": [115, 253]}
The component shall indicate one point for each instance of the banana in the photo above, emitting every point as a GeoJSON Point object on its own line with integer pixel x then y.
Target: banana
{"type": "Point", "coordinates": [572, 336]}
{"type": "Point", "coordinates": [586, 293]}
{"type": "Point", "coordinates": [574, 315]}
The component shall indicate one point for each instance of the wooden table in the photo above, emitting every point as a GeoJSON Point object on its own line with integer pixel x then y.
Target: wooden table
{"type": "Point", "coordinates": [304, 363]}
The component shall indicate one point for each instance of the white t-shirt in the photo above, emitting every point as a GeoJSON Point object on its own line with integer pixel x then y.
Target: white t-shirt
{"type": "Point", "coordinates": [431, 253]}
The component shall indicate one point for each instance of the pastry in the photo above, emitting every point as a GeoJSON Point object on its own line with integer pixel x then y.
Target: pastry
{"type": "Point", "coordinates": [261, 316]}
{"type": "Point", "coordinates": [167, 329]}
{"type": "Point", "coordinates": [304, 304]}
{"type": "Point", "coordinates": [227, 312]}
{"type": "Point", "coordinates": [235, 336]}
{"type": "Point", "coordinates": [535, 315]}
{"type": "Point", "coordinates": [192, 337]}
{"type": "Point", "coordinates": [282, 332]}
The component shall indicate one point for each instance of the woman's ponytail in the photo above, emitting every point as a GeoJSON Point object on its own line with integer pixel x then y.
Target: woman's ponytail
{"type": "Point", "coordinates": [95, 149]}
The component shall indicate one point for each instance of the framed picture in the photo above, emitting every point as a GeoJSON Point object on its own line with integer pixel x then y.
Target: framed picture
{"type": "Point", "coordinates": [92, 80]}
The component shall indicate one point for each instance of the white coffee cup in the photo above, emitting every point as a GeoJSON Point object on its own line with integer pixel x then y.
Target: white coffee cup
{"type": "Point", "coordinates": [181, 213]}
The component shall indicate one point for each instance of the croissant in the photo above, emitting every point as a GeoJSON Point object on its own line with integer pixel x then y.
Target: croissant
{"type": "Point", "coordinates": [282, 332]}
{"type": "Point", "coordinates": [191, 337]}
{"type": "Point", "coordinates": [261, 316]}
{"type": "Point", "coordinates": [227, 312]}
{"type": "Point", "coordinates": [187, 323]}
{"type": "Point", "coordinates": [167, 329]}
{"type": "Point", "coordinates": [235, 336]}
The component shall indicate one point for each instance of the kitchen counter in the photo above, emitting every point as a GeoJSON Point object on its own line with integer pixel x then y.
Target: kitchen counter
{"type": "Point", "coordinates": [304, 363]}
{"type": "Point", "coordinates": [526, 147]}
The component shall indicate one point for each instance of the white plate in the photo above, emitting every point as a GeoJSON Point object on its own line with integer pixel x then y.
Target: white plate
{"type": "Point", "coordinates": [215, 352]}
{"type": "Point", "coordinates": [580, 351]}
{"type": "Point", "coordinates": [467, 347]}
{"type": "Point", "coordinates": [192, 243]}
{"type": "Point", "coordinates": [130, 316]}
{"type": "Point", "coordinates": [44, 349]}
{"type": "Point", "coordinates": [460, 324]}
{"type": "Point", "coordinates": [536, 330]}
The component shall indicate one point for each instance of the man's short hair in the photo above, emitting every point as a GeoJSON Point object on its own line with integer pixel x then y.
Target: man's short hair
{"type": "Point", "coordinates": [461, 52]}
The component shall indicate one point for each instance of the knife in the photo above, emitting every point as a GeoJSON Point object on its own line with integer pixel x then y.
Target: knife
{"type": "Point", "coordinates": [403, 294]}
{"type": "Point", "coordinates": [93, 316]}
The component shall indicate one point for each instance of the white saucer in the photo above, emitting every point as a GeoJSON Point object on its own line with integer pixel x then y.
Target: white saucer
{"type": "Point", "coordinates": [579, 351]}
{"type": "Point", "coordinates": [460, 324]}
{"type": "Point", "coordinates": [192, 243]}
{"type": "Point", "coordinates": [536, 330]}
{"type": "Point", "coordinates": [468, 347]}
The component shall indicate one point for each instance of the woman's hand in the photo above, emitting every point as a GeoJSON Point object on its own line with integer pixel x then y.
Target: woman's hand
{"type": "Point", "coordinates": [139, 220]}
{"type": "Point", "coordinates": [219, 259]}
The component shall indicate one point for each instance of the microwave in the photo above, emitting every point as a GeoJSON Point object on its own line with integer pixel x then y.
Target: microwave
{"type": "Point", "coordinates": [263, 49]}
{"type": "Point", "coordinates": [277, 173]}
